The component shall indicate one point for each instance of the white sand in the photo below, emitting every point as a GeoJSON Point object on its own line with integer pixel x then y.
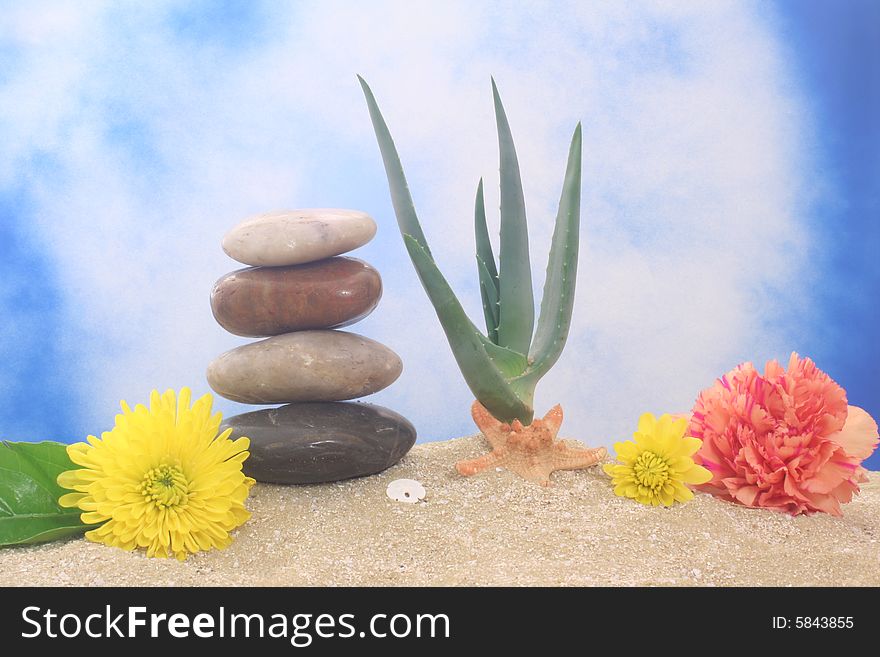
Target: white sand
{"type": "Point", "coordinates": [493, 529]}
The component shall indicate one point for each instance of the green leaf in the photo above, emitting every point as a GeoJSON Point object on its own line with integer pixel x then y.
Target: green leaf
{"type": "Point", "coordinates": [489, 294]}
{"type": "Point", "coordinates": [510, 363]}
{"type": "Point", "coordinates": [486, 269]}
{"type": "Point", "coordinates": [481, 231]}
{"type": "Point", "coordinates": [559, 287]}
{"type": "Point", "coordinates": [401, 199]}
{"type": "Point", "coordinates": [517, 311]}
{"type": "Point", "coordinates": [29, 509]}
{"type": "Point", "coordinates": [482, 371]}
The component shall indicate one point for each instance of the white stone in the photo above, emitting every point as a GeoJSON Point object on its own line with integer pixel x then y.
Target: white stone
{"type": "Point", "coordinates": [406, 490]}
{"type": "Point", "coordinates": [304, 366]}
{"type": "Point", "coordinates": [294, 237]}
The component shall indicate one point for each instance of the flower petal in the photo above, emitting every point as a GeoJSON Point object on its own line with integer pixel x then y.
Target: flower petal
{"type": "Point", "coordinates": [626, 451]}
{"type": "Point", "coordinates": [859, 434]}
{"type": "Point", "coordinates": [696, 475]}
{"type": "Point", "coordinates": [647, 422]}
{"type": "Point", "coordinates": [688, 446]}
{"type": "Point", "coordinates": [71, 500]}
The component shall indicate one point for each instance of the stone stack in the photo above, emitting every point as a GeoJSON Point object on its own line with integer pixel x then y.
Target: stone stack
{"type": "Point", "coordinates": [297, 292]}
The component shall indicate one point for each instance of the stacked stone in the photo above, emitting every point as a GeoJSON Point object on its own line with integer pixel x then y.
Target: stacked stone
{"type": "Point", "coordinates": [297, 292]}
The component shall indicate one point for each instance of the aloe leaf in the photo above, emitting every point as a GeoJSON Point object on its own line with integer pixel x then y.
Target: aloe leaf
{"type": "Point", "coordinates": [484, 246]}
{"type": "Point", "coordinates": [517, 311]}
{"type": "Point", "coordinates": [554, 321]}
{"type": "Point", "coordinates": [489, 294]}
{"type": "Point", "coordinates": [469, 347]}
{"type": "Point", "coordinates": [512, 364]}
{"type": "Point", "coordinates": [29, 492]}
{"type": "Point", "coordinates": [401, 199]}
{"type": "Point", "coordinates": [486, 269]}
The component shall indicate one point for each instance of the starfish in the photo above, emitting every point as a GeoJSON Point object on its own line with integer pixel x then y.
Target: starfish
{"type": "Point", "coordinates": [530, 451]}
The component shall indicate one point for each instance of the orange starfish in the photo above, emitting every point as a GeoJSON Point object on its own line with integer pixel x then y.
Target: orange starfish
{"type": "Point", "coordinates": [530, 451]}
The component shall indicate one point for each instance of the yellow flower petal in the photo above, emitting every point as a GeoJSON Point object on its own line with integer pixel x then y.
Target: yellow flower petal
{"type": "Point", "coordinates": [92, 518]}
{"type": "Point", "coordinates": [688, 446]}
{"type": "Point", "coordinates": [71, 500]}
{"type": "Point", "coordinates": [696, 475]}
{"type": "Point", "coordinates": [682, 493]}
{"type": "Point", "coordinates": [647, 424]}
{"type": "Point", "coordinates": [626, 451]}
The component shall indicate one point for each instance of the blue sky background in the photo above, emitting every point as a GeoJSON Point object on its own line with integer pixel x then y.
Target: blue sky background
{"type": "Point", "coordinates": [730, 206]}
{"type": "Point", "coordinates": [837, 51]}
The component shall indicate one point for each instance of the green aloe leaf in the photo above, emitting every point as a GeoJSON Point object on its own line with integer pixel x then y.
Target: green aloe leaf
{"type": "Point", "coordinates": [554, 321]}
{"type": "Point", "coordinates": [484, 246]}
{"type": "Point", "coordinates": [29, 509]}
{"type": "Point", "coordinates": [482, 370]}
{"type": "Point", "coordinates": [489, 294]}
{"type": "Point", "coordinates": [510, 363]}
{"type": "Point", "coordinates": [517, 311]}
{"type": "Point", "coordinates": [401, 199]}
{"type": "Point", "coordinates": [486, 269]}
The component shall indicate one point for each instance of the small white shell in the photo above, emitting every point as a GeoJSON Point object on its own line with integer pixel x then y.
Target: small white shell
{"type": "Point", "coordinates": [406, 490]}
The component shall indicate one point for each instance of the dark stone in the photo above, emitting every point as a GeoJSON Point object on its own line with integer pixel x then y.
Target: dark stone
{"type": "Point", "coordinates": [317, 442]}
{"type": "Point", "coordinates": [261, 301]}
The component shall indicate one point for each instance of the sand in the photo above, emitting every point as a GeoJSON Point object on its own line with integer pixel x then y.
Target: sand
{"type": "Point", "coordinates": [492, 529]}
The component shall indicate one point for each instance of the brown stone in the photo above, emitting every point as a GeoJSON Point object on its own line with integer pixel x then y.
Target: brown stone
{"type": "Point", "coordinates": [262, 301]}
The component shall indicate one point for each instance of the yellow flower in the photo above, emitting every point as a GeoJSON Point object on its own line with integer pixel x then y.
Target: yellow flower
{"type": "Point", "coordinates": [656, 467]}
{"type": "Point", "coordinates": [161, 479]}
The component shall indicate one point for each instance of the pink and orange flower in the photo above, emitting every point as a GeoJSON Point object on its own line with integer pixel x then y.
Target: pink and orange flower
{"type": "Point", "coordinates": [785, 439]}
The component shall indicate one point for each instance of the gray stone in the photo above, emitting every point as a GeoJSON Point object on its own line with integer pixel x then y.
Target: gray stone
{"type": "Point", "coordinates": [311, 443]}
{"type": "Point", "coordinates": [304, 366]}
{"type": "Point", "coordinates": [294, 237]}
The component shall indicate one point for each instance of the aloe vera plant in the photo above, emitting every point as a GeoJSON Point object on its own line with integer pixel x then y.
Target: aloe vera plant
{"type": "Point", "coordinates": [503, 366]}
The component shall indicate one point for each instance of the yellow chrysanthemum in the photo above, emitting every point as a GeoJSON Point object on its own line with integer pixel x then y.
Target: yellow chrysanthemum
{"type": "Point", "coordinates": [161, 479]}
{"type": "Point", "coordinates": [656, 467]}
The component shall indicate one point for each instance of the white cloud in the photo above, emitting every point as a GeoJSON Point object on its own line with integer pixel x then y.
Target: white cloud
{"type": "Point", "coordinates": [691, 178]}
